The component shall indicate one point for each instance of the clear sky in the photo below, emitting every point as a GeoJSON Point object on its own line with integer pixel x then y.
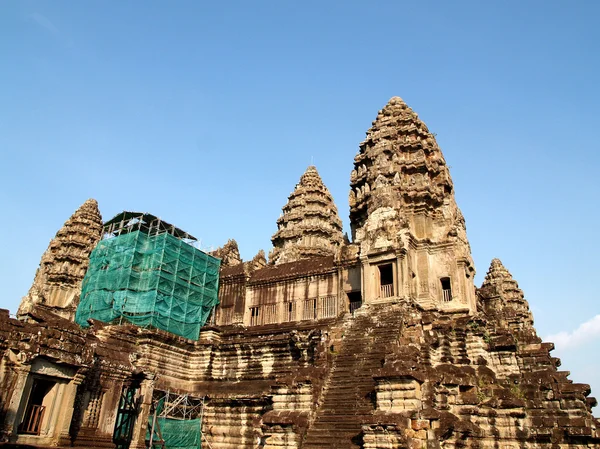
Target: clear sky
{"type": "Point", "coordinates": [208, 113]}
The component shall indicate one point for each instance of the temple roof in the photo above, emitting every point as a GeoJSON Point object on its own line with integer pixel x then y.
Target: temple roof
{"type": "Point", "coordinates": [310, 225]}
{"type": "Point", "coordinates": [304, 267]}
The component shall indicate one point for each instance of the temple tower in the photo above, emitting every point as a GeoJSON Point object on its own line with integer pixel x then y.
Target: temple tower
{"type": "Point", "coordinates": [404, 217]}
{"type": "Point", "coordinates": [57, 282]}
{"type": "Point", "coordinates": [503, 300]}
{"type": "Point", "coordinates": [310, 225]}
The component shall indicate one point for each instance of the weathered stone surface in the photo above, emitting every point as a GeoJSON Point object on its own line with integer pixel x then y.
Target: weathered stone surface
{"type": "Point", "coordinates": [309, 225]}
{"type": "Point", "coordinates": [57, 282]}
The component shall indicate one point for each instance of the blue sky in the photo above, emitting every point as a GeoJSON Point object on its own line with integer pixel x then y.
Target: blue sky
{"type": "Point", "coordinates": [208, 113]}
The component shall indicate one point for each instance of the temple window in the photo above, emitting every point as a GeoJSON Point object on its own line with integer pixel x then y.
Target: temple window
{"type": "Point", "coordinates": [92, 412]}
{"type": "Point", "coordinates": [327, 307]}
{"type": "Point", "coordinates": [254, 316]}
{"type": "Point", "coordinates": [309, 311]}
{"type": "Point", "coordinates": [225, 316]}
{"type": "Point", "coordinates": [386, 280]}
{"type": "Point", "coordinates": [269, 313]}
{"type": "Point", "coordinates": [446, 289]}
{"type": "Point", "coordinates": [290, 311]}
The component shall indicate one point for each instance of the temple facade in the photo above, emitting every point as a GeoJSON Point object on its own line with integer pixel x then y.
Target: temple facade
{"type": "Point", "coordinates": [378, 340]}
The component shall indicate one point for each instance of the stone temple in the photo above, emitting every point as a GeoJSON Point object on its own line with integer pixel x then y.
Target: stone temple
{"type": "Point", "coordinates": [130, 337]}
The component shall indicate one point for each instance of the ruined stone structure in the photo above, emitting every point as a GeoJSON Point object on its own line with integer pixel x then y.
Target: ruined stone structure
{"type": "Point", "coordinates": [382, 342]}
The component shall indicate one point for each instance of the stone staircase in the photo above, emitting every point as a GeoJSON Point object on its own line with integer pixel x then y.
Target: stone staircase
{"type": "Point", "coordinates": [348, 400]}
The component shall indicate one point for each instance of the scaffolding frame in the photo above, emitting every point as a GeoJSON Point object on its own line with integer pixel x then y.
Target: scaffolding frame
{"type": "Point", "coordinates": [126, 222]}
{"type": "Point", "coordinates": [179, 406]}
{"type": "Point", "coordinates": [145, 271]}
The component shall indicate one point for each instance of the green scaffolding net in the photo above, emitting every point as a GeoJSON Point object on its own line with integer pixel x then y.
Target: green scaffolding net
{"type": "Point", "coordinates": [176, 433]}
{"type": "Point", "coordinates": [175, 422]}
{"type": "Point", "coordinates": [155, 281]}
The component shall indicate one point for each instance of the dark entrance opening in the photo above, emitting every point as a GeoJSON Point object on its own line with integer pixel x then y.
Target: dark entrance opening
{"type": "Point", "coordinates": [386, 280]}
{"type": "Point", "coordinates": [446, 289]}
{"type": "Point", "coordinates": [254, 316]}
{"type": "Point", "coordinates": [34, 413]}
{"type": "Point", "coordinates": [355, 301]}
{"type": "Point", "coordinates": [291, 311]}
{"type": "Point", "coordinates": [129, 406]}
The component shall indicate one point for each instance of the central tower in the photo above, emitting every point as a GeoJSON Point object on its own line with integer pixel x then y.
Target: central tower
{"type": "Point", "coordinates": [404, 218]}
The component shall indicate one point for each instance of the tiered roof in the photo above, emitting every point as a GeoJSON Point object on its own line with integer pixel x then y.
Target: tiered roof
{"type": "Point", "coordinates": [310, 225]}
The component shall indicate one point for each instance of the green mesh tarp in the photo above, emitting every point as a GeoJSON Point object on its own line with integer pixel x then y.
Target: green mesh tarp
{"type": "Point", "coordinates": [151, 281]}
{"type": "Point", "coordinates": [176, 433]}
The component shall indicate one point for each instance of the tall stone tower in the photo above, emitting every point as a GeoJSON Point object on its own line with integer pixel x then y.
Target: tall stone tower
{"type": "Point", "coordinates": [310, 225]}
{"type": "Point", "coordinates": [57, 283]}
{"type": "Point", "coordinates": [404, 217]}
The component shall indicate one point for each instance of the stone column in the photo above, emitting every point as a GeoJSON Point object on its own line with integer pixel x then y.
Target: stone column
{"type": "Point", "coordinates": [66, 409]}
{"type": "Point", "coordinates": [8, 430]}
{"type": "Point", "coordinates": [110, 404]}
{"type": "Point", "coordinates": [402, 268]}
{"type": "Point", "coordinates": [138, 440]}
{"type": "Point", "coordinates": [395, 278]}
{"type": "Point", "coordinates": [342, 303]}
{"type": "Point", "coordinates": [365, 284]}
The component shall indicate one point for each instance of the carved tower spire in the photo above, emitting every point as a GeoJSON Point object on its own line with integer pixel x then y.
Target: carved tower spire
{"type": "Point", "coordinates": [309, 225]}
{"type": "Point", "coordinates": [57, 283]}
{"type": "Point", "coordinates": [399, 165]}
{"type": "Point", "coordinates": [503, 299]}
{"type": "Point", "coordinates": [402, 207]}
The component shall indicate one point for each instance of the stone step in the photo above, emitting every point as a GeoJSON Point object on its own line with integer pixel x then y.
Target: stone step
{"type": "Point", "coordinates": [346, 402]}
{"type": "Point", "coordinates": [326, 439]}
